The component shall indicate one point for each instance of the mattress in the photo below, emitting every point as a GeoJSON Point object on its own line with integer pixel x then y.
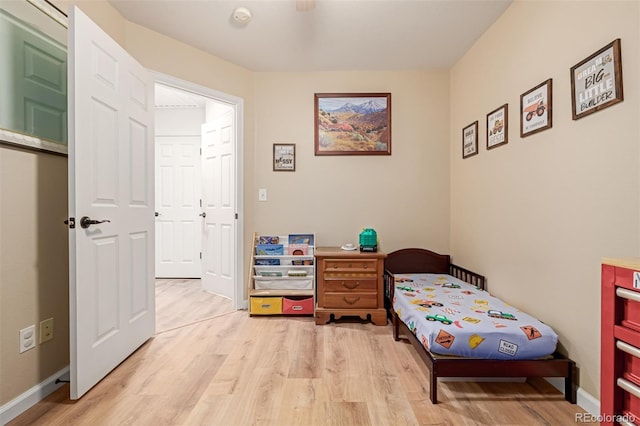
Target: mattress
{"type": "Point", "coordinates": [452, 317]}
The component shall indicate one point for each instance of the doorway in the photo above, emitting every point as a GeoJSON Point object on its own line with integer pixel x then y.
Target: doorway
{"type": "Point", "coordinates": [189, 249]}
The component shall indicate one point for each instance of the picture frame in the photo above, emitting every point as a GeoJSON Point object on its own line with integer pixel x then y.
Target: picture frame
{"type": "Point", "coordinates": [596, 81]}
{"type": "Point", "coordinates": [284, 157]}
{"type": "Point", "coordinates": [498, 127]}
{"type": "Point", "coordinates": [470, 140]}
{"type": "Point", "coordinates": [536, 112]}
{"type": "Point", "coordinates": [352, 123]}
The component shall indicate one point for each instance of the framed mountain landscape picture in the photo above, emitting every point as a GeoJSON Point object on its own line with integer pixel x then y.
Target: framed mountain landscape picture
{"type": "Point", "coordinates": [353, 123]}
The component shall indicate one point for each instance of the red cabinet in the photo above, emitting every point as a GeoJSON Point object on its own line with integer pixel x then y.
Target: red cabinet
{"type": "Point", "coordinates": [620, 341]}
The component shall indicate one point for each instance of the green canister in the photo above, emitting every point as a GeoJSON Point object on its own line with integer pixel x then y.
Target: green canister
{"type": "Point", "coordinates": [368, 240]}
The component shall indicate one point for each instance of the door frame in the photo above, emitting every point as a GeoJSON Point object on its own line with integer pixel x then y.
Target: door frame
{"type": "Point", "coordinates": [238, 106]}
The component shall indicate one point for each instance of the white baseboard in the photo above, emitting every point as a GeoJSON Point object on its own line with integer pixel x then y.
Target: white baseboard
{"type": "Point", "coordinates": [31, 397]}
{"type": "Point", "coordinates": [585, 400]}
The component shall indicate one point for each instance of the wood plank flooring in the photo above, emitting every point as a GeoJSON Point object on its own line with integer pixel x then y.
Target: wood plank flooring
{"type": "Point", "coordinates": [233, 369]}
{"type": "Point", "coordinates": [182, 301]}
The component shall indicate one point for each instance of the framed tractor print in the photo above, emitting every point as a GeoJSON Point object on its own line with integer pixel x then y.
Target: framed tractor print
{"type": "Point", "coordinates": [498, 127]}
{"type": "Point", "coordinates": [535, 109]}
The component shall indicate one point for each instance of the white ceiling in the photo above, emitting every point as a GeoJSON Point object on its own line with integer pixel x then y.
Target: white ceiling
{"type": "Point", "coordinates": [334, 35]}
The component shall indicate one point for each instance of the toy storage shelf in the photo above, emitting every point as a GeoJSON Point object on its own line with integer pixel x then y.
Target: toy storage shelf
{"type": "Point", "coordinates": [281, 283]}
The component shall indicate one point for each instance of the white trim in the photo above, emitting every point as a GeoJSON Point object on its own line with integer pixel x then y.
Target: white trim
{"type": "Point", "coordinates": [31, 397]}
{"type": "Point", "coordinates": [56, 14]}
{"type": "Point", "coordinates": [239, 301]}
{"type": "Point", "coordinates": [585, 400]}
{"type": "Point", "coordinates": [19, 139]}
{"type": "Point", "coordinates": [588, 402]}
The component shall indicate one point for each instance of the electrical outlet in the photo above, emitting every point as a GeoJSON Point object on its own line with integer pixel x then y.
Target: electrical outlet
{"type": "Point", "coordinates": [27, 338]}
{"type": "Point", "coordinates": [46, 330]}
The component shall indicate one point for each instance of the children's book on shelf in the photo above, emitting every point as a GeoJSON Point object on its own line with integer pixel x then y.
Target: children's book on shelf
{"type": "Point", "coordinates": [302, 262]}
{"type": "Point", "coordinates": [270, 273]}
{"type": "Point", "coordinates": [298, 249]}
{"type": "Point", "coordinates": [268, 262]}
{"type": "Point", "coordinates": [301, 239]}
{"type": "Point", "coordinates": [268, 239]}
{"type": "Point", "coordinates": [269, 249]}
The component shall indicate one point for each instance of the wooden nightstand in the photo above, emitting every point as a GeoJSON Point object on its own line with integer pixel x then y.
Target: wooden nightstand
{"type": "Point", "coordinates": [349, 284]}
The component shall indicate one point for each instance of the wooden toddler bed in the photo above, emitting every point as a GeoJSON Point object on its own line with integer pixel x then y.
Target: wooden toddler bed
{"type": "Point", "coordinates": [421, 261]}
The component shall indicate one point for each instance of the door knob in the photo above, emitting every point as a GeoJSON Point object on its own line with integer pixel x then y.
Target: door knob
{"type": "Point", "coordinates": [86, 222]}
{"type": "Point", "coordinates": [157, 214]}
{"type": "Point", "coordinates": [203, 214]}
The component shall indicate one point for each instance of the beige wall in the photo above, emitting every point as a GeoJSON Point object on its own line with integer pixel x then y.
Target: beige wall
{"type": "Point", "coordinates": [537, 215]}
{"type": "Point", "coordinates": [534, 216]}
{"type": "Point", "coordinates": [33, 204]}
{"type": "Point", "coordinates": [33, 266]}
{"type": "Point", "coordinates": [404, 197]}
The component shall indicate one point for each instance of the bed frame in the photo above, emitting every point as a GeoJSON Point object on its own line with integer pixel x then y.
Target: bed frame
{"type": "Point", "coordinates": [415, 260]}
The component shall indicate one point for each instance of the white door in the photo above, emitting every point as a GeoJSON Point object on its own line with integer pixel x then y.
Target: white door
{"type": "Point", "coordinates": [111, 288]}
{"type": "Point", "coordinates": [218, 205]}
{"type": "Point", "coordinates": [178, 225]}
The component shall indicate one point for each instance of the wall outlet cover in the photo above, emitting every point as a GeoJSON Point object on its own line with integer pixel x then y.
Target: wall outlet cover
{"type": "Point", "coordinates": [46, 330]}
{"type": "Point", "coordinates": [27, 338]}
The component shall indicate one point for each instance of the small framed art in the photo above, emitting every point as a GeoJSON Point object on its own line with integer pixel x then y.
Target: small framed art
{"type": "Point", "coordinates": [470, 140]}
{"type": "Point", "coordinates": [535, 109]}
{"type": "Point", "coordinates": [498, 127]}
{"type": "Point", "coordinates": [284, 157]}
{"type": "Point", "coordinates": [596, 82]}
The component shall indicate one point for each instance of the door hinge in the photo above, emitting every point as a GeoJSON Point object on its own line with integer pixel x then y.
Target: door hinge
{"type": "Point", "coordinates": [200, 202]}
{"type": "Point", "coordinates": [200, 255]}
{"type": "Point", "coordinates": [71, 222]}
{"type": "Point", "coordinates": [236, 215]}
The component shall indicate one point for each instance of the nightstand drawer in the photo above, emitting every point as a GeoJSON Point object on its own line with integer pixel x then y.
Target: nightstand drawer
{"type": "Point", "coordinates": [349, 265]}
{"type": "Point", "coordinates": [350, 285]}
{"type": "Point", "coordinates": [351, 300]}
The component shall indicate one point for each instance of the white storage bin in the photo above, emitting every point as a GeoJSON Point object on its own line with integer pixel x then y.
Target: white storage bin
{"type": "Point", "coordinates": [283, 283]}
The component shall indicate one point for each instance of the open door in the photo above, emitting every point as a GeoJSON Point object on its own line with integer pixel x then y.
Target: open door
{"type": "Point", "coordinates": [218, 205]}
{"type": "Point", "coordinates": [111, 199]}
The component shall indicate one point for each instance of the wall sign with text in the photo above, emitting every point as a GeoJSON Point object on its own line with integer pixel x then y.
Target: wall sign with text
{"type": "Point", "coordinates": [596, 82]}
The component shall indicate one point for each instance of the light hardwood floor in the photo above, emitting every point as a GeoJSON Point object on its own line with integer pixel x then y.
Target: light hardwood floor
{"type": "Point", "coordinates": [233, 369]}
{"type": "Point", "coordinates": [182, 301]}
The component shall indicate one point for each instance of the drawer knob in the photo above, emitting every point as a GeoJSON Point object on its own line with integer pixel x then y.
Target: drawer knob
{"type": "Point", "coordinates": [352, 286]}
{"type": "Point", "coordinates": [352, 301]}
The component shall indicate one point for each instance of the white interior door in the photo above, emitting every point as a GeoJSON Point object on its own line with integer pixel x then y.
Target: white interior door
{"type": "Point", "coordinates": [111, 289]}
{"type": "Point", "coordinates": [178, 227]}
{"type": "Point", "coordinates": [218, 204]}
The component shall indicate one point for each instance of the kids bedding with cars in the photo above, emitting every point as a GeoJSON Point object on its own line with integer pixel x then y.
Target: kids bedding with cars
{"type": "Point", "coordinates": [452, 317]}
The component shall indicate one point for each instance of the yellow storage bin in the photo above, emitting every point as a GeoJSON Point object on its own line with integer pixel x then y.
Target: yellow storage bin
{"type": "Point", "coordinates": [266, 305]}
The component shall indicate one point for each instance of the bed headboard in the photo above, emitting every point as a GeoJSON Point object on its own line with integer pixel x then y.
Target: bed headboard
{"type": "Point", "coordinates": [417, 260]}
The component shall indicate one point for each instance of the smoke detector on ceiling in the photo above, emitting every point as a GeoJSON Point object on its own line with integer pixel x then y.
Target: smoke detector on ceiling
{"type": "Point", "coordinates": [242, 15]}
